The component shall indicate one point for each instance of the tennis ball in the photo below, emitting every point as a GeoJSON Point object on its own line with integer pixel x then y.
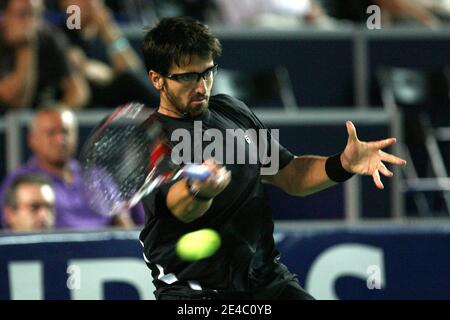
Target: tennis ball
{"type": "Point", "coordinates": [198, 245]}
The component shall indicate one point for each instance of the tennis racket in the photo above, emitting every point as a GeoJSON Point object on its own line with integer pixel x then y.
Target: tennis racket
{"type": "Point", "coordinates": [126, 157]}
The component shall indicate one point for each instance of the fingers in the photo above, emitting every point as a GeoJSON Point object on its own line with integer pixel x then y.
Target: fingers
{"type": "Point", "coordinates": [220, 177]}
{"type": "Point", "coordinates": [351, 130]}
{"type": "Point", "coordinates": [212, 165]}
{"type": "Point", "coordinates": [385, 171]}
{"type": "Point", "coordinates": [381, 144]}
{"type": "Point", "coordinates": [386, 157]}
{"type": "Point", "coordinates": [376, 175]}
{"type": "Point", "coordinates": [216, 169]}
{"type": "Point", "coordinates": [377, 179]}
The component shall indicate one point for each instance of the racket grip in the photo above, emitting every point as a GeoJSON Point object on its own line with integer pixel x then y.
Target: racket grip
{"type": "Point", "coordinates": [196, 171]}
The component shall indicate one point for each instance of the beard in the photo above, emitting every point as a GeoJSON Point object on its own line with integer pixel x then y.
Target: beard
{"type": "Point", "coordinates": [186, 110]}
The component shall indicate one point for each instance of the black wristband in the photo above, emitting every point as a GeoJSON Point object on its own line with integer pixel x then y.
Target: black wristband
{"type": "Point", "coordinates": [335, 170]}
{"type": "Point", "coordinates": [195, 193]}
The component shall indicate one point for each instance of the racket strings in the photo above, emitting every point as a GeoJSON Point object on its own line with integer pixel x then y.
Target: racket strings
{"type": "Point", "coordinates": [116, 165]}
{"type": "Point", "coordinates": [117, 159]}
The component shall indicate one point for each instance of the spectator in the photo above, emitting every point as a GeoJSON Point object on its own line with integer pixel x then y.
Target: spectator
{"type": "Point", "coordinates": [274, 13]}
{"type": "Point", "coordinates": [33, 66]}
{"type": "Point", "coordinates": [106, 59]}
{"type": "Point", "coordinates": [53, 140]}
{"type": "Point", "coordinates": [392, 11]}
{"type": "Point", "coordinates": [29, 204]}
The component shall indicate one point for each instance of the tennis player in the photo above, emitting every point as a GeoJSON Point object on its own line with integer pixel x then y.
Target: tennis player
{"type": "Point", "coordinates": [180, 58]}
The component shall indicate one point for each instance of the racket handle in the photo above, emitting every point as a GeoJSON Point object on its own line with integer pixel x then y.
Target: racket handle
{"type": "Point", "coordinates": [196, 171]}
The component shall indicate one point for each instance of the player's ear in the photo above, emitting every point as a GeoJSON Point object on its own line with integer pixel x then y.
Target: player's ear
{"type": "Point", "coordinates": [156, 79]}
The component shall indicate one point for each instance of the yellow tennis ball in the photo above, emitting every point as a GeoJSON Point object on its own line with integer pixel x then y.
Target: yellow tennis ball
{"type": "Point", "coordinates": [198, 245]}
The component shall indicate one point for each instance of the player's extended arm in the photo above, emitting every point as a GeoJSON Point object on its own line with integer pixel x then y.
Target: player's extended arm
{"type": "Point", "coordinates": [303, 176]}
{"type": "Point", "coordinates": [308, 174]}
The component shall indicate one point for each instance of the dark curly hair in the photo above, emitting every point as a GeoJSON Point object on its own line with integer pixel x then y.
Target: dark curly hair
{"type": "Point", "coordinates": [174, 39]}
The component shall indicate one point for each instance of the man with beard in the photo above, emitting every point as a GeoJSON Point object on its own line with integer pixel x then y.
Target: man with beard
{"type": "Point", "coordinates": [180, 58]}
{"type": "Point", "coordinates": [53, 139]}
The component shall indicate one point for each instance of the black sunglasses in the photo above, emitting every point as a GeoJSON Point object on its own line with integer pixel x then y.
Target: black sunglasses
{"type": "Point", "coordinates": [194, 77]}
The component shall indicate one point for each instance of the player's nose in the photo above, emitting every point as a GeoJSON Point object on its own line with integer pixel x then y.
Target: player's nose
{"type": "Point", "coordinates": [201, 86]}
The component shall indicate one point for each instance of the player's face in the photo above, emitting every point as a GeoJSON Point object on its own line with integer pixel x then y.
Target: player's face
{"type": "Point", "coordinates": [185, 91]}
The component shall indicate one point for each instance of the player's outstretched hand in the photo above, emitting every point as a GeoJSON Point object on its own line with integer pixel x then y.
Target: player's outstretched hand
{"type": "Point", "coordinates": [367, 158]}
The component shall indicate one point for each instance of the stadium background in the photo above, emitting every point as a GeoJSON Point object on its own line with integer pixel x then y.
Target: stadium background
{"type": "Point", "coordinates": [332, 239]}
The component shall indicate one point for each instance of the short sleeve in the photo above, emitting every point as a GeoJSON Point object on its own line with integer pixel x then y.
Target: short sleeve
{"type": "Point", "coordinates": [273, 145]}
{"type": "Point", "coordinates": [272, 142]}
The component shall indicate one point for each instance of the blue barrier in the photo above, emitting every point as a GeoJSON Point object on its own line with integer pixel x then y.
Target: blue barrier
{"type": "Point", "coordinates": [389, 262]}
{"type": "Point", "coordinates": [385, 262]}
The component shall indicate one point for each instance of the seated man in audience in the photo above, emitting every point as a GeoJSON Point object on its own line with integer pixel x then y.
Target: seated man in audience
{"type": "Point", "coordinates": [102, 54]}
{"type": "Point", "coordinates": [53, 140]}
{"type": "Point", "coordinates": [29, 204]}
{"type": "Point", "coordinates": [33, 65]}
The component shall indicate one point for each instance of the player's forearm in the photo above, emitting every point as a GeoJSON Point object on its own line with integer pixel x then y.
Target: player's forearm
{"type": "Point", "coordinates": [183, 205]}
{"type": "Point", "coordinates": [306, 175]}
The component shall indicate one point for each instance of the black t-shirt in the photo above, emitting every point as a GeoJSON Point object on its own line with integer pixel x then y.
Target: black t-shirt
{"type": "Point", "coordinates": [52, 64]}
{"type": "Point", "coordinates": [247, 259]}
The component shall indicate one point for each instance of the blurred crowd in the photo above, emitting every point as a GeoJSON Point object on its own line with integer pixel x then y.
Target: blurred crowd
{"type": "Point", "coordinates": [317, 13]}
{"type": "Point", "coordinates": [43, 62]}
{"type": "Point", "coordinates": [48, 67]}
